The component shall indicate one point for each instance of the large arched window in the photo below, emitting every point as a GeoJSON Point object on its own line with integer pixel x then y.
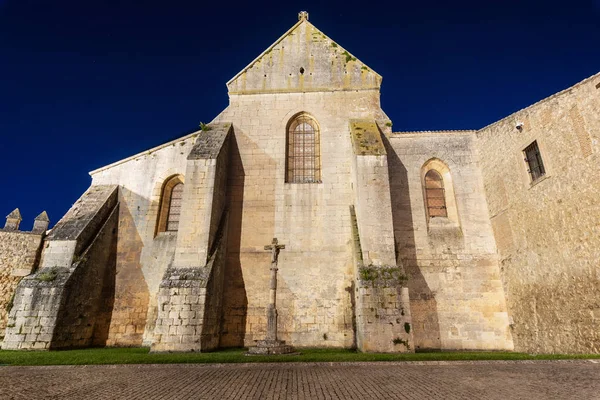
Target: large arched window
{"type": "Point", "coordinates": [170, 205]}
{"type": "Point", "coordinates": [435, 194]}
{"type": "Point", "coordinates": [303, 156]}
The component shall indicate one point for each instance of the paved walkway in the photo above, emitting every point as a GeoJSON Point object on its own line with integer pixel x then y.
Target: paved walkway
{"type": "Point", "coordinates": [425, 380]}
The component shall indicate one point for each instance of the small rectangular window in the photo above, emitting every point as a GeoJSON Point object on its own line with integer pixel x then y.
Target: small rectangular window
{"type": "Point", "coordinates": [533, 158]}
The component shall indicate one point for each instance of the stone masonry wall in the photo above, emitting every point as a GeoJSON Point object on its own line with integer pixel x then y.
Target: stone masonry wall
{"type": "Point", "coordinates": [304, 60]}
{"type": "Point", "coordinates": [18, 251]}
{"type": "Point", "coordinates": [382, 308]}
{"type": "Point", "coordinates": [456, 295]}
{"type": "Point", "coordinates": [57, 306]}
{"type": "Point", "coordinates": [203, 197]}
{"type": "Point", "coordinates": [372, 193]}
{"type": "Point", "coordinates": [383, 311]}
{"type": "Point", "coordinates": [190, 294]}
{"type": "Point", "coordinates": [548, 231]}
{"type": "Point", "coordinates": [314, 300]}
{"type": "Point", "coordinates": [143, 253]}
{"type": "Point", "coordinates": [373, 210]}
{"type": "Point", "coordinates": [382, 317]}
{"type": "Point", "coordinates": [79, 320]}
{"type": "Point", "coordinates": [130, 299]}
{"type": "Point", "coordinates": [213, 307]}
{"type": "Point", "coordinates": [312, 219]}
{"type": "Point", "coordinates": [37, 301]}
{"type": "Point", "coordinates": [190, 301]}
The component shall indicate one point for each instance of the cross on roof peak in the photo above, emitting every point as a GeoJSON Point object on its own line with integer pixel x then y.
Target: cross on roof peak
{"type": "Point", "coordinates": [303, 15]}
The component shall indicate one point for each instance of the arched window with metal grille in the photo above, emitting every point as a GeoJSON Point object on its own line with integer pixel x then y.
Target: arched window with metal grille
{"type": "Point", "coordinates": [303, 164]}
{"type": "Point", "coordinates": [435, 194]}
{"type": "Point", "coordinates": [175, 208]}
{"type": "Point", "coordinates": [170, 205]}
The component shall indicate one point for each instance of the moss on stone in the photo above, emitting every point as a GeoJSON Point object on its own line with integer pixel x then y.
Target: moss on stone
{"type": "Point", "coordinates": [348, 57]}
{"type": "Point", "coordinates": [398, 341]}
{"type": "Point", "coordinates": [381, 276]}
{"type": "Point", "coordinates": [47, 276]}
{"type": "Point", "coordinates": [10, 303]}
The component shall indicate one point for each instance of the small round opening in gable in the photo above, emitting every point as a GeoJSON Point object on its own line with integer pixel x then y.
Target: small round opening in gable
{"type": "Point", "coordinates": [301, 70]}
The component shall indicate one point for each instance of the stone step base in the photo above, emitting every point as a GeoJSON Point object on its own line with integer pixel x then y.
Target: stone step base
{"type": "Point", "coordinates": [270, 347]}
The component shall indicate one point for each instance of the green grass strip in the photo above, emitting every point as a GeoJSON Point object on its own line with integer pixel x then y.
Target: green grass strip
{"type": "Point", "coordinates": [143, 356]}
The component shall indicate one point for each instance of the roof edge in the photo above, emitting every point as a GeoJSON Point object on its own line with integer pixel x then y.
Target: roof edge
{"type": "Point", "coordinates": [297, 24]}
{"type": "Point", "coordinates": [544, 100]}
{"type": "Point", "coordinates": [436, 132]}
{"type": "Point", "coordinates": [287, 91]}
{"type": "Point", "coordinates": [268, 49]}
{"type": "Point", "coordinates": [511, 115]}
{"type": "Point", "coordinates": [144, 153]}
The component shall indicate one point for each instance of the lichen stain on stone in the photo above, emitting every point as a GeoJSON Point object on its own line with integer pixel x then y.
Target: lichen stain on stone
{"type": "Point", "coordinates": [309, 48]}
{"type": "Point", "coordinates": [281, 58]}
{"type": "Point", "coordinates": [366, 138]}
{"type": "Point", "coordinates": [243, 80]}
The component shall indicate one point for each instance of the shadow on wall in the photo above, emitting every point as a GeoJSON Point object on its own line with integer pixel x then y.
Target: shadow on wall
{"type": "Point", "coordinates": [80, 321]}
{"type": "Point", "coordinates": [422, 300]}
{"type": "Point", "coordinates": [107, 296]}
{"type": "Point", "coordinates": [235, 300]}
{"type": "Point", "coordinates": [131, 295]}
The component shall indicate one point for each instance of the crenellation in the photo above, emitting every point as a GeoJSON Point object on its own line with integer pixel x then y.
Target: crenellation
{"type": "Point", "coordinates": [13, 220]}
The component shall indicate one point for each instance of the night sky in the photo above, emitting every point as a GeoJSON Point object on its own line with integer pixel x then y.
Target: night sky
{"type": "Point", "coordinates": [84, 83]}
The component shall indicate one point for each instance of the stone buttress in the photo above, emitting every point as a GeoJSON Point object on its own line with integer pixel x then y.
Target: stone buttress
{"type": "Point", "coordinates": [382, 307]}
{"type": "Point", "coordinates": [57, 307]}
{"type": "Point", "coordinates": [190, 294]}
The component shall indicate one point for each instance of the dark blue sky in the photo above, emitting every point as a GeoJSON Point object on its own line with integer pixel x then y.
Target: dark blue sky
{"type": "Point", "coordinates": [84, 83]}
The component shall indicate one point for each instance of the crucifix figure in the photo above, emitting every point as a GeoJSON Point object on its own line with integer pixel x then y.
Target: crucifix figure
{"type": "Point", "coordinates": [271, 309]}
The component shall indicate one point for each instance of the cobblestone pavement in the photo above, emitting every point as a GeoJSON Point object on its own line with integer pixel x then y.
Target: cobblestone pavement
{"type": "Point", "coordinates": [441, 380]}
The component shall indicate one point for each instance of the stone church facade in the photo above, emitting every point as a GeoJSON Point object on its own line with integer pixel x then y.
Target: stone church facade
{"type": "Point", "coordinates": [395, 241]}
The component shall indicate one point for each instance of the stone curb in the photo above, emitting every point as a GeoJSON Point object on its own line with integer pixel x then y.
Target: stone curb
{"type": "Point", "coordinates": [275, 365]}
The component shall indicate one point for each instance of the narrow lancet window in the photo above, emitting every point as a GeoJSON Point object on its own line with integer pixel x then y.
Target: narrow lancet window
{"type": "Point", "coordinates": [434, 192]}
{"type": "Point", "coordinates": [175, 208]}
{"type": "Point", "coordinates": [170, 205]}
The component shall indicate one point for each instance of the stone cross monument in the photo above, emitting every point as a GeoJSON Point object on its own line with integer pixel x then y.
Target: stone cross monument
{"type": "Point", "coordinates": [271, 345]}
{"type": "Point", "coordinates": [272, 309]}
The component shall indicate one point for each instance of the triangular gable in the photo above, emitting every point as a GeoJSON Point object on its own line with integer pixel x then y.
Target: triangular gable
{"type": "Point", "coordinates": [304, 59]}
